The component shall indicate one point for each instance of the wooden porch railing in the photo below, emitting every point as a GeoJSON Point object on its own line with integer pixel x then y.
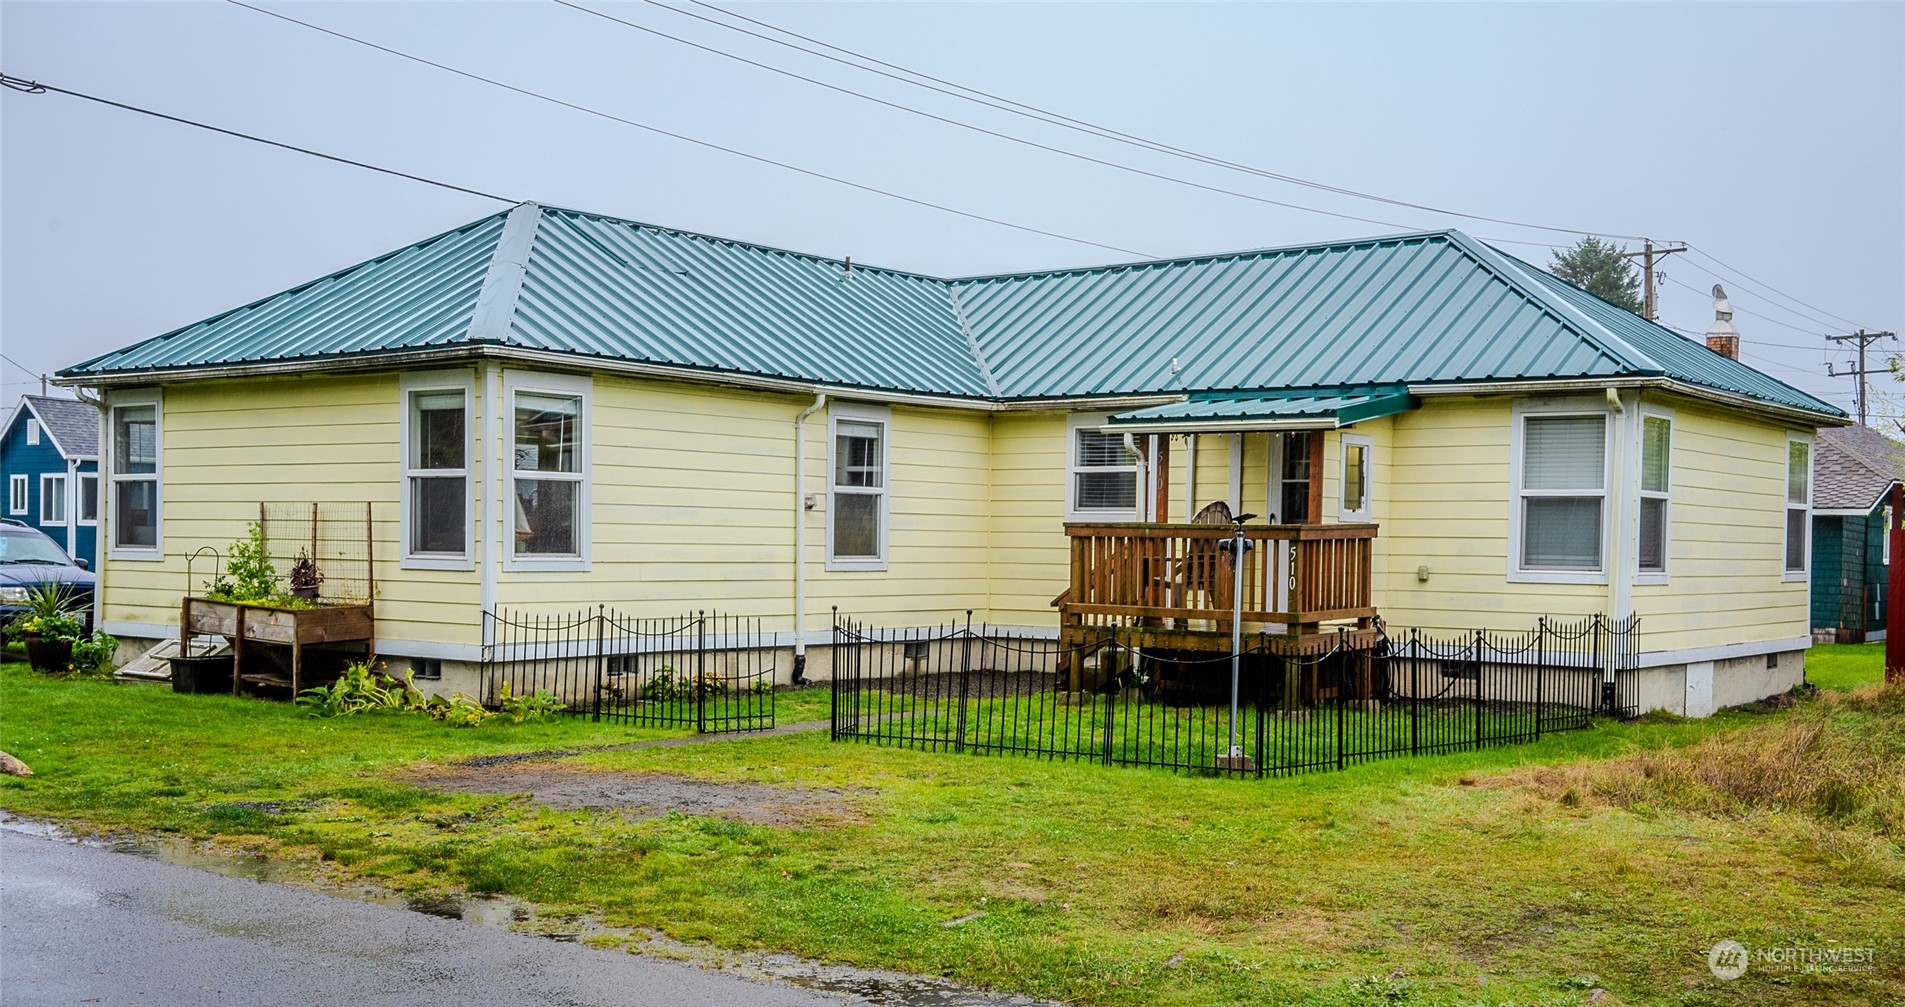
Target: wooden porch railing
{"type": "Point", "coordinates": [1297, 575]}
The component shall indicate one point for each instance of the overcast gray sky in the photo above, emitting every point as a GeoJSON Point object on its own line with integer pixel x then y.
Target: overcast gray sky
{"type": "Point", "coordinates": [1771, 137]}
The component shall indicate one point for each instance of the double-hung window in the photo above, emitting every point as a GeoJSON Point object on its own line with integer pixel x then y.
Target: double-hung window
{"type": "Point", "coordinates": [1798, 506]}
{"type": "Point", "coordinates": [1357, 455]}
{"type": "Point", "coordinates": [1561, 494]}
{"type": "Point", "coordinates": [53, 499]}
{"type": "Point", "coordinates": [857, 492]}
{"type": "Point", "coordinates": [549, 464]}
{"type": "Point", "coordinates": [1656, 486]}
{"type": "Point", "coordinates": [436, 483]}
{"type": "Point", "coordinates": [88, 499]}
{"type": "Point", "coordinates": [135, 477]}
{"type": "Point", "coordinates": [17, 490]}
{"type": "Point", "coordinates": [1104, 473]}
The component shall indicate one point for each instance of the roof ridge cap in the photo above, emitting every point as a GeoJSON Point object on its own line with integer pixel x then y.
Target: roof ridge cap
{"type": "Point", "coordinates": [495, 309]}
{"type": "Point", "coordinates": [1501, 267]}
{"type": "Point", "coordinates": [972, 342]}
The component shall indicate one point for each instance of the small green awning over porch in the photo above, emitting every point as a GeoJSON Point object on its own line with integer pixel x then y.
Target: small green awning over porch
{"type": "Point", "coordinates": [1305, 410]}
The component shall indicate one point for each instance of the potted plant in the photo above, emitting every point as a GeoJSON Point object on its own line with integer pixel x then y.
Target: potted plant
{"type": "Point", "coordinates": [49, 626]}
{"type": "Point", "coordinates": [305, 577]}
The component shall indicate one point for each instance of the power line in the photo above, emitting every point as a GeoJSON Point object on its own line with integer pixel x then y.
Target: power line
{"type": "Point", "coordinates": [688, 139]}
{"type": "Point", "coordinates": [35, 87]}
{"type": "Point", "coordinates": [1008, 137]}
{"type": "Point", "coordinates": [1776, 290]}
{"type": "Point", "coordinates": [20, 365]}
{"type": "Point", "coordinates": [1775, 305]}
{"type": "Point", "coordinates": [991, 100]}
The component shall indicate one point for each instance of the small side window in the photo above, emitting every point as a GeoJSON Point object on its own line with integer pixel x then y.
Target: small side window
{"type": "Point", "coordinates": [1358, 455]}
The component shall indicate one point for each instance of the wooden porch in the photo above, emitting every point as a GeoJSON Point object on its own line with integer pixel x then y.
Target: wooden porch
{"type": "Point", "coordinates": [1174, 585]}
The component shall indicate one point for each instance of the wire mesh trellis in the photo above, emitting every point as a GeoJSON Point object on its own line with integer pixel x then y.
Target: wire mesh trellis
{"type": "Point", "coordinates": [963, 688]}
{"type": "Point", "coordinates": [709, 671]}
{"type": "Point", "coordinates": [323, 547]}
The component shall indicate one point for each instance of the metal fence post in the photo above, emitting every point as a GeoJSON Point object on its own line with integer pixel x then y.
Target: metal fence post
{"type": "Point", "coordinates": [1478, 688]}
{"type": "Point", "coordinates": [965, 683]}
{"type": "Point", "coordinates": [1541, 673]}
{"type": "Point", "coordinates": [601, 662]}
{"type": "Point", "coordinates": [1341, 683]}
{"type": "Point", "coordinates": [701, 672]}
{"type": "Point", "coordinates": [1415, 694]}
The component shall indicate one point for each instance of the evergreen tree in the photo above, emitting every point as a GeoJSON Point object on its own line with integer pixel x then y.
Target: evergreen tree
{"type": "Point", "coordinates": [1598, 267]}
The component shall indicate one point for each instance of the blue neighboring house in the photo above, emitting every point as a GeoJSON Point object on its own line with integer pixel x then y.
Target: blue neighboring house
{"type": "Point", "coordinates": [49, 459]}
{"type": "Point", "coordinates": [1854, 470]}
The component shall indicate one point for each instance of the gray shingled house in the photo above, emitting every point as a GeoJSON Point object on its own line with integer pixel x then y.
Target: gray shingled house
{"type": "Point", "coordinates": [1855, 469]}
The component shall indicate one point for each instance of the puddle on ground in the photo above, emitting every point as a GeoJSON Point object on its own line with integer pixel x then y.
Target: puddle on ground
{"type": "Point", "coordinates": [871, 986]}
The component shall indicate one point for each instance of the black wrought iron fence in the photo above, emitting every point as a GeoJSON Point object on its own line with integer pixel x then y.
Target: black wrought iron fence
{"type": "Point", "coordinates": [961, 687]}
{"type": "Point", "coordinates": [709, 671]}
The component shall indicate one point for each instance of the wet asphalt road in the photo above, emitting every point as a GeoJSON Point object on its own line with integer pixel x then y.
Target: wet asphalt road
{"type": "Point", "coordinates": [82, 925]}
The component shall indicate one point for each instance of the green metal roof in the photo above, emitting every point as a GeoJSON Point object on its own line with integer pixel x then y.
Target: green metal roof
{"type": "Point", "coordinates": [1293, 411]}
{"type": "Point", "coordinates": [1406, 310]}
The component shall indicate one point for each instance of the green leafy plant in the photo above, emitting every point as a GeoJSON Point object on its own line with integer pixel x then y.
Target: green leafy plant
{"type": "Point", "coordinates": [534, 707]}
{"type": "Point", "coordinates": [249, 574]}
{"type": "Point", "coordinates": [360, 689]}
{"type": "Point", "coordinates": [52, 613]}
{"type": "Point", "coordinates": [95, 652]}
{"type": "Point", "coordinates": [457, 711]}
{"type": "Point", "coordinates": [668, 684]}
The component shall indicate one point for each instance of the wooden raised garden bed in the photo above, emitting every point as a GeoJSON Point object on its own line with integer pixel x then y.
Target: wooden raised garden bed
{"type": "Point", "coordinates": [291, 627]}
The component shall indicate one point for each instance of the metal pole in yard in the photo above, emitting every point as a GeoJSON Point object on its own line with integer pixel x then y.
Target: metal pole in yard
{"type": "Point", "coordinates": [1237, 546]}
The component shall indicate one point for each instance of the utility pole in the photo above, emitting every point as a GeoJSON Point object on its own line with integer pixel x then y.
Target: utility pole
{"type": "Point", "coordinates": [1650, 306]}
{"type": "Point", "coordinates": [1864, 339]}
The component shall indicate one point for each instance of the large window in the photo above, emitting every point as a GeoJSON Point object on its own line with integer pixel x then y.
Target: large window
{"type": "Point", "coordinates": [437, 473]}
{"type": "Point", "coordinates": [1357, 451]}
{"type": "Point", "coordinates": [88, 499]}
{"type": "Point", "coordinates": [17, 490]}
{"type": "Point", "coordinates": [1656, 485]}
{"type": "Point", "coordinates": [135, 478]}
{"type": "Point", "coordinates": [1104, 473]}
{"type": "Point", "coordinates": [53, 499]}
{"type": "Point", "coordinates": [857, 490]}
{"type": "Point", "coordinates": [1291, 487]}
{"type": "Point", "coordinates": [1798, 505]}
{"type": "Point", "coordinates": [1562, 493]}
{"type": "Point", "coordinates": [548, 462]}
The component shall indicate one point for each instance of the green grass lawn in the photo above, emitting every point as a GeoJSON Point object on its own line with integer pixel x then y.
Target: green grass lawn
{"type": "Point", "coordinates": [1474, 878]}
{"type": "Point", "coordinates": [1845, 665]}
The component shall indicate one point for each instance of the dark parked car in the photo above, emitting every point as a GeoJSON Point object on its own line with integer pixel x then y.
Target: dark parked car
{"type": "Point", "coordinates": [29, 560]}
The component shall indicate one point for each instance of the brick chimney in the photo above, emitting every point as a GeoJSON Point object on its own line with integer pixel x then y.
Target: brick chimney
{"type": "Point", "coordinates": [1722, 337]}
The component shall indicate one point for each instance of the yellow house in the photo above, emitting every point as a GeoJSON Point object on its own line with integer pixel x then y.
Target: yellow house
{"type": "Point", "coordinates": [553, 409]}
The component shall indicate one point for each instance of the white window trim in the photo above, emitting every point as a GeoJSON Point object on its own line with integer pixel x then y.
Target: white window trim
{"type": "Point", "coordinates": [111, 479]}
{"type": "Point", "coordinates": [859, 412]}
{"type": "Point", "coordinates": [79, 512]}
{"type": "Point", "coordinates": [46, 480]}
{"type": "Point", "coordinates": [32, 432]}
{"type": "Point", "coordinates": [1665, 573]}
{"type": "Point", "coordinates": [437, 381]}
{"type": "Point", "coordinates": [1804, 573]}
{"type": "Point", "coordinates": [19, 495]}
{"type": "Point", "coordinates": [1075, 422]}
{"type": "Point", "coordinates": [1369, 463]}
{"type": "Point", "coordinates": [1519, 414]}
{"type": "Point", "coordinates": [529, 382]}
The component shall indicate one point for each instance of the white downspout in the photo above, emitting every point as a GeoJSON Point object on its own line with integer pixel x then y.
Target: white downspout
{"type": "Point", "coordinates": [800, 536]}
{"type": "Point", "coordinates": [489, 386]}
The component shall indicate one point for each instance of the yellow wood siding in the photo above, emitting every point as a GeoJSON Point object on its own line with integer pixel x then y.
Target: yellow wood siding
{"type": "Point", "coordinates": [227, 445]}
{"type": "Point", "coordinates": [1030, 557]}
{"type": "Point", "coordinates": [692, 506]}
{"type": "Point", "coordinates": [1726, 537]}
